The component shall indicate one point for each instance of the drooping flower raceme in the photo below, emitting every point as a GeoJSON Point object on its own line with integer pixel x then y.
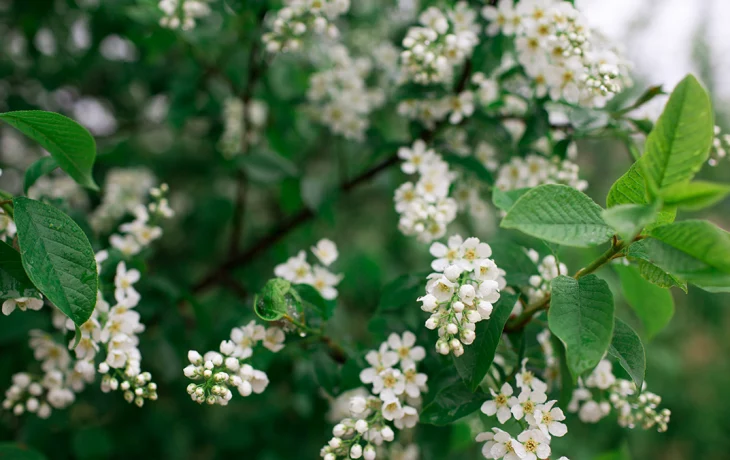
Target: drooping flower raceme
{"type": "Point", "coordinates": [182, 14]}
{"type": "Point", "coordinates": [298, 271]}
{"type": "Point", "coordinates": [299, 17]}
{"type": "Point", "coordinates": [539, 418]}
{"type": "Point", "coordinates": [602, 391]}
{"type": "Point", "coordinates": [461, 292]}
{"type": "Point", "coordinates": [108, 342]}
{"type": "Point", "coordinates": [339, 97]}
{"type": "Point", "coordinates": [425, 207]}
{"type": "Point", "coordinates": [219, 371]}
{"type": "Point", "coordinates": [442, 41]}
{"type": "Point", "coordinates": [534, 170]}
{"type": "Point", "coordinates": [391, 405]}
{"type": "Point", "coordinates": [557, 49]}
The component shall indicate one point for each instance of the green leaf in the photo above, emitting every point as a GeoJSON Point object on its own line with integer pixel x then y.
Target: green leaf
{"type": "Point", "coordinates": [629, 219]}
{"type": "Point", "coordinates": [474, 364]}
{"type": "Point", "coordinates": [472, 165]}
{"type": "Point", "coordinates": [659, 277]}
{"type": "Point", "coordinates": [652, 304]}
{"type": "Point", "coordinates": [448, 400]}
{"type": "Point", "coordinates": [581, 316]}
{"type": "Point", "coordinates": [14, 282]}
{"type": "Point", "coordinates": [326, 372]}
{"type": "Point", "coordinates": [693, 196]}
{"type": "Point", "coordinates": [693, 250]}
{"type": "Point", "coordinates": [310, 295]}
{"type": "Point", "coordinates": [57, 257]}
{"type": "Point", "coordinates": [402, 292]}
{"type": "Point", "coordinates": [267, 166]}
{"type": "Point", "coordinates": [631, 189]}
{"type": "Point", "coordinates": [627, 348]}
{"type": "Point", "coordinates": [13, 451]}
{"type": "Point", "coordinates": [505, 200]}
{"type": "Point", "coordinates": [680, 142]}
{"type": "Point", "coordinates": [559, 214]}
{"type": "Point", "coordinates": [40, 168]}
{"type": "Point", "coordinates": [275, 300]}
{"type": "Point", "coordinates": [68, 142]}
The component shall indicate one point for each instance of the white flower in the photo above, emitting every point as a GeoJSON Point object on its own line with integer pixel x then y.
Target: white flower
{"type": "Point", "coordinates": [274, 339]}
{"type": "Point", "coordinates": [326, 251]}
{"type": "Point", "coordinates": [526, 403]}
{"type": "Point", "coordinates": [324, 281]}
{"type": "Point", "coordinates": [246, 337]}
{"type": "Point", "coordinates": [124, 291]}
{"type": "Point", "coordinates": [126, 244]}
{"type": "Point", "coordinates": [547, 418]}
{"type": "Point", "coordinates": [379, 361]}
{"type": "Point", "coordinates": [442, 289]}
{"type": "Point", "coordinates": [487, 438]}
{"type": "Point", "coordinates": [296, 269]}
{"type": "Point", "coordinates": [392, 409]}
{"type": "Point", "coordinates": [389, 379]}
{"type": "Point", "coordinates": [415, 382]}
{"type": "Point", "coordinates": [473, 251]}
{"type": "Point", "coordinates": [507, 447]}
{"type": "Point", "coordinates": [408, 419]}
{"type": "Point", "coordinates": [497, 16]}
{"type": "Point", "coordinates": [499, 404]}
{"type": "Point", "coordinates": [405, 346]}
{"type": "Point", "coordinates": [536, 444]}
{"type": "Point", "coordinates": [446, 254]}
{"type": "Point", "coordinates": [461, 106]}
{"type": "Point", "coordinates": [21, 303]}
{"type": "Point", "coordinates": [416, 157]}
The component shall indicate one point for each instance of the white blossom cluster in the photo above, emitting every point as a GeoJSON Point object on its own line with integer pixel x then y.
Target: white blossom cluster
{"type": "Point", "coordinates": [539, 418]}
{"type": "Point", "coordinates": [243, 124]}
{"type": "Point", "coordinates": [7, 225]}
{"type": "Point", "coordinates": [534, 170]}
{"type": "Point", "coordinates": [548, 268]}
{"type": "Point", "coordinates": [457, 107]}
{"type": "Point", "coordinates": [298, 17]}
{"type": "Point", "coordinates": [124, 190]}
{"type": "Point", "coordinates": [425, 208]}
{"type": "Point", "coordinates": [461, 292]}
{"type": "Point", "coordinates": [557, 49]}
{"type": "Point", "coordinates": [182, 14]}
{"type": "Point", "coordinates": [134, 236]}
{"type": "Point", "coordinates": [219, 371]}
{"type": "Point", "coordinates": [442, 41]}
{"type": "Point", "coordinates": [110, 333]}
{"type": "Point", "coordinates": [59, 188]}
{"type": "Point", "coordinates": [393, 401]}
{"type": "Point", "coordinates": [339, 97]}
{"type": "Point", "coordinates": [720, 147]}
{"type": "Point", "coordinates": [601, 391]}
{"type": "Point", "coordinates": [298, 271]}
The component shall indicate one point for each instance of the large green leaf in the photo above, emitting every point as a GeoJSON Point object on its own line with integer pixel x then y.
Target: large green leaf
{"type": "Point", "coordinates": [474, 364]}
{"type": "Point", "coordinates": [559, 214]}
{"type": "Point", "coordinates": [67, 141]}
{"type": "Point", "coordinates": [581, 316]}
{"type": "Point", "coordinates": [627, 348]}
{"type": "Point", "coordinates": [629, 219]}
{"type": "Point", "coordinates": [653, 305]}
{"type": "Point", "coordinates": [448, 400]}
{"type": "Point", "coordinates": [679, 144]}
{"type": "Point", "coordinates": [631, 189]}
{"type": "Point", "coordinates": [694, 196]}
{"type": "Point", "coordinates": [40, 168]}
{"type": "Point", "coordinates": [14, 282]}
{"type": "Point", "coordinates": [693, 250]}
{"type": "Point", "coordinates": [57, 257]}
{"type": "Point", "coordinates": [658, 276]}
{"type": "Point", "coordinates": [505, 200]}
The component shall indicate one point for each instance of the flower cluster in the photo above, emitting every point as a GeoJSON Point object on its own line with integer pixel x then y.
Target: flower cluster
{"type": "Point", "coordinates": [720, 147]}
{"type": "Point", "coordinates": [298, 271]}
{"type": "Point", "coordinates": [339, 97]}
{"type": "Point", "coordinates": [22, 304]}
{"type": "Point", "coordinates": [143, 230]}
{"type": "Point", "coordinates": [534, 170]}
{"type": "Point", "coordinates": [441, 42]}
{"type": "Point", "coordinates": [109, 337]}
{"type": "Point", "coordinates": [462, 291]}
{"type": "Point", "coordinates": [558, 50]}
{"type": "Point", "coordinates": [540, 420]}
{"type": "Point", "coordinates": [300, 16]}
{"type": "Point", "coordinates": [219, 371]}
{"type": "Point", "coordinates": [243, 124]}
{"type": "Point", "coordinates": [601, 391]}
{"type": "Point", "coordinates": [548, 268]}
{"type": "Point", "coordinates": [428, 111]}
{"type": "Point", "coordinates": [59, 188]}
{"type": "Point", "coordinates": [7, 225]}
{"type": "Point", "coordinates": [392, 403]}
{"type": "Point", "coordinates": [181, 14]}
{"type": "Point", "coordinates": [425, 207]}
{"type": "Point", "coordinates": [124, 190]}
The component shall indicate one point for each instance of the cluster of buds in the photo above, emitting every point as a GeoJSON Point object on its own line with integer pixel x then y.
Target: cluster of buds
{"type": "Point", "coordinates": [292, 23]}
{"type": "Point", "coordinates": [136, 386]}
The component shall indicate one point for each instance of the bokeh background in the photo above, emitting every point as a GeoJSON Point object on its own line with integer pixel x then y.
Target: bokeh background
{"type": "Point", "coordinates": [153, 98]}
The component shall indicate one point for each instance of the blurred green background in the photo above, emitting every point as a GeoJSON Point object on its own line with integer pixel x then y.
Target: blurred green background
{"type": "Point", "coordinates": [188, 76]}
